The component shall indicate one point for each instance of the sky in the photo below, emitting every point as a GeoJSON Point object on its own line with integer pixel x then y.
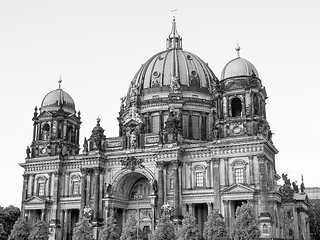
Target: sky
{"type": "Point", "coordinates": [97, 46]}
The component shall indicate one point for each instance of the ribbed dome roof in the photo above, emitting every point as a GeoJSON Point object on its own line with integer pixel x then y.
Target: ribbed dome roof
{"type": "Point", "coordinates": [173, 66]}
{"type": "Point", "coordinates": [239, 67]}
{"type": "Point", "coordinates": [58, 99]}
{"type": "Point", "coordinates": [159, 69]}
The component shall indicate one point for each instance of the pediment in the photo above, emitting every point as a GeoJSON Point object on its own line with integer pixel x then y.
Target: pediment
{"type": "Point", "coordinates": [132, 122]}
{"type": "Point", "coordinates": [238, 189]}
{"type": "Point", "coordinates": [45, 114]}
{"type": "Point", "coordinates": [35, 200]}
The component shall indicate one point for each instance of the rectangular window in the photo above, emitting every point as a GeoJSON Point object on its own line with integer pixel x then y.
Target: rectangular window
{"type": "Point", "coordinates": [41, 189]}
{"type": "Point", "coordinates": [239, 175]}
{"type": "Point", "coordinates": [75, 188]}
{"type": "Point", "coordinates": [171, 183]}
{"type": "Point", "coordinates": [155, 124]}
{"type": "Point", "coordinates": [165, 118]}
{"type": "Point", "coordinates": [195, 127]}
{"type": "Point", "coordinates": [185, 126]}
{"type": "Point", "coordinates": [199, 179]}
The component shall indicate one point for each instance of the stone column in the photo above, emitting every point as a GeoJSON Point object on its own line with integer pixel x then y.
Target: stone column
{"type": "Point", "coordinates": [55, 196]}
{"type": "Point", "coordinates": [226, 213]}
{"type": "Point", "coordinates": [24, 191]}
{"type": "Point", "coordinates": [190, 175]}
{"type": "Point", "coordinates": [251, 169]}
{"type": "Point", "coordinates": [216, 184]}
{"type": "Point", "coordinates": [190, 206]}
{"type": "Point", "coordinates": [34, 131]}
{"type": "Point", "coordinates": [43, 214]}
{"type": "Point", "coordinates": [161, 123]}
{"type": "Point", "coordinates": [48, 193]}
{"type": "Point", "coordinates": [209, 205]}
{"type": "Point", "coordinates": [66, 183]}
{"type": "Point", "coordinates": [190, 135]}
{"type": "Point", "coordinates": [208, 175]}
{"type": "Point", "coordinates": [88, 188]}
{"type": "Point", "coordinates": [175, 188]}
{"type": "Point", "coordinates": [65, 224]}
{"type": "Point", "coordinates": [226, 171]}
{"type": "Point", "coordinates": [101, 188]}
{"type": "Point", "coordinates": [96, 195]}
{"type": "Point", "coordinates": [263, 183]}
{"type": "Point", "coordinates": [160, 166]}
{"type": "Point", "coordinates": [180, 186]}
{"type": "Point", "coordinates": [83, 190]}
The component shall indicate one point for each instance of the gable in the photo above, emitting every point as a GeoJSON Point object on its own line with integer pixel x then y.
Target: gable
{"type": "Point", "coordinates": [238, 189]}
{"type": "Point", "coordinates": [35, 200]}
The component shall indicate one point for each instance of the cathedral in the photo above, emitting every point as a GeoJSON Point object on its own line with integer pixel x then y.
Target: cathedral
{"type": "Point", "coordinates": [186, 139]}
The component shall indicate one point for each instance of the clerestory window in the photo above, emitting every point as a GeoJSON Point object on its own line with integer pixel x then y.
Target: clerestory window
{"type": "Point", "coordinates": [236, 107]}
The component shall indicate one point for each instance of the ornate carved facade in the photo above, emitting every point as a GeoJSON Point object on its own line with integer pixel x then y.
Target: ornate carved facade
{"type": "Point", "coordinates": [185, 138]}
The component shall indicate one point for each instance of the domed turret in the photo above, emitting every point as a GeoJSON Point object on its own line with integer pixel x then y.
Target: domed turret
{"type": "Point", "coordinates": [241, 101]}
{"type": "Point", "coordinates": [58, 99]}
{"type": "Point", "coordinates": [239, 67]}
{"type": "Point", "coordinates": [57, 128]}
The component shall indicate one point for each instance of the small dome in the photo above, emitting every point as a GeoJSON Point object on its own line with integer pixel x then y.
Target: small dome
{"type": "Point", "coordinates": [239, 67]}
{"type": "Point", "coordinates": [58, 99]}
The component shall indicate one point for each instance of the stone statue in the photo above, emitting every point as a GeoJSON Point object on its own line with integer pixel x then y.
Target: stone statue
{"type": "Point", "coordinates": [295, 187]}
{"type": "Point", "coordinates": [133, 139]}
{"type": "Point", "coordinates": [28, 151]}
{"type": "Point", "coordinates": [108, 188]}
{"type": "Point", "coordinates": [85, 145]}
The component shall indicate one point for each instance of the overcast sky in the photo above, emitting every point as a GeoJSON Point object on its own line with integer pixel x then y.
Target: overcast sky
{"type": "Point", "coordinates": [97, 46]}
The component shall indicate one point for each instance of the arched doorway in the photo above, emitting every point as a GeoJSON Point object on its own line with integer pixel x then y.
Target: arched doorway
{"type": "Point", "coordinates": [133, 193]}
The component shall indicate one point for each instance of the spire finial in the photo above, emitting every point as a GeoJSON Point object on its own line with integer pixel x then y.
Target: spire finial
{"type": "Point", "coordinates": [174, 41]}
{"type": "Point", "coordinates": [98, 121]}
{"type": "Point", "coordinates": [59, 81]}
{"type": "Point", "coordinates": [238, 48]}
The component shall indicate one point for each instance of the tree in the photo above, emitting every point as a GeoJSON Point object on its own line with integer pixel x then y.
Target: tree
{"type": "Point", "coordinates": [188, 229]}
{"type": "Point", "coordinates": [129, 232]}
{"type": "Point", "coordinates": [3, 235]}
{"type": "Point", "coordinates": [8, 216]}
{"type": "Point", "coordinates": [20, 231]}
{"type": "Point", "coordinates": [214, 228]}
{"type": "Point", "coordinates": [314, 218]}
{"type": "Point", "coordinates": [164, 230]}
{"type": "Point", "coordinates": [82, 231]}
{"type": "Point", "coordinates": [245, 226]}
{"type": "Point", "coordinates": [40, 231]}
{"type": "Point", "coordinates": [110, 230]}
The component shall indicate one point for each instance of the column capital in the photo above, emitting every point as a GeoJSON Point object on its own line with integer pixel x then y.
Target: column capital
{"type": "Point", "coordinates": [175, 164]}
{"type": "Point", "coordinates": [160, 165]}
{"type": "Point", "coordinates": [215, 161]}
{"type": "Point", "coordinates": [261, 157]}
{"type": "Point", "coordinates": [208, 161]}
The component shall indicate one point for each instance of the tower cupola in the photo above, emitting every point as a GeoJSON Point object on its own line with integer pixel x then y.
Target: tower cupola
{"type": "Point", "coordinates": [57, 127]}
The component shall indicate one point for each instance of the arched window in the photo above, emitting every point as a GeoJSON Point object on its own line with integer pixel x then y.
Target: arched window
{"type": "Point", "coordinates": [41, 186]}
{"type": "Point", "coordinates": [239, 167]}
{"type": "Point", "coordinates": [45, 131]}
{"type": "Point", "coordinates": [236, 107]}
{"type": "Point", "coordinates": [75, 185]}
{"type": "Point", "coordinates": [199, 176]}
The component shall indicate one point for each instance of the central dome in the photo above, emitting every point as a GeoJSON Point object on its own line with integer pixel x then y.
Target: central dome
{"type": "Point", "coordinates": [173, 66]}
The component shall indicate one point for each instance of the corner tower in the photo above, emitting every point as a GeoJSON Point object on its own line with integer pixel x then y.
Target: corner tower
{"type": "Point", "coordinates": [56, 127]}
{"type": "Point", "coordinates": [240, 102]}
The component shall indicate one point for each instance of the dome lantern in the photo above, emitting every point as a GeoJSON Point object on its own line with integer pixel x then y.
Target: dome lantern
{"type": "Point", "coordinates": [174, 41]}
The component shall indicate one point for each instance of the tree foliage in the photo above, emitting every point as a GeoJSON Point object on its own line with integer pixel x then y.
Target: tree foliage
{"type": "Point", "coordinates": [164, 230]}
{"type": "Point", "coordinates": [314, 218]}
{"type": "Point", "coordinates": [129, 232]}
{"type": "Point", "coordinates": [82, 231]}
{"type": "Point", "coordinates": [110, 230]}
{"type": "Point", "coordinates": [20, 231]}
{"type": "Point", "coordinates": [8, 216]}
{"type": "Point", "coordinates": [188, 229]}
{"type": "Point", "coordinates": [40, 231]}
{"type": "Point", "coordinates": [245, 226]}
{"type": "Point", "coordinates": [215, 228]}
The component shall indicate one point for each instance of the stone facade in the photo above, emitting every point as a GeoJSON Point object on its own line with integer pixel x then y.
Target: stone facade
{"type": "Point", "coordinates": [185, 138]}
